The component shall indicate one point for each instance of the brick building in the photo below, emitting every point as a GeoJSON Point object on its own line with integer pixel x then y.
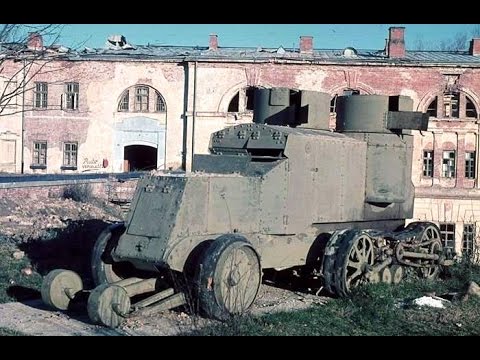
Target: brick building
{"type": "Point", "coordinates": [130, 107]}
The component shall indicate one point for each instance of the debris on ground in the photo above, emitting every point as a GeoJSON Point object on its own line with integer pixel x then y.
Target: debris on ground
{"type": "Point", "coordinates": [472, 290]}
{"type": "Point", "coordinates": [18, 255]}
{"type": "Point", "coordinates": [436, 302]}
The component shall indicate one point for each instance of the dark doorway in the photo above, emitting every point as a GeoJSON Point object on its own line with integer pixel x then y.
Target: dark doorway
{"type": "Point", "coordinates": [139, 157]}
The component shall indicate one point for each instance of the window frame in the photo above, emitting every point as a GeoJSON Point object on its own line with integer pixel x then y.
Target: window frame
{"type": "Point", "coordinates": [445, 230]}
{"type": "Point", "coordinates": [40, 100]}
{"type": "Point", "coordinates": [69, 155]}
{"type": "Point", "coordinates": [138, 105]}
{"type": "Point", "coordinates": [470, 165]}
{"type": "Point", "coordinates": [124, 103]}
{"type": "Point", "coordinates": [72, 91]}
{"type": "Point", "coordinates": [447, 171]}
{"type": "Point", "coordinates": [428, 164]}
{"type": "Point", "coordinates": [160, 105]}
{"type": "Point", "coordinates": [37, 162]}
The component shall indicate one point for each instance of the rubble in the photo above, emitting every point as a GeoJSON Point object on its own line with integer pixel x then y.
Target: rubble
{"type": "Point", "coordinates": [24, 220]}
{"type": "Point", "coordinates": [18, 255]}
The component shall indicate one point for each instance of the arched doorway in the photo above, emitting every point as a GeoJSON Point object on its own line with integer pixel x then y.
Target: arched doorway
{"type": "Point", "coordinates": [139, 158]}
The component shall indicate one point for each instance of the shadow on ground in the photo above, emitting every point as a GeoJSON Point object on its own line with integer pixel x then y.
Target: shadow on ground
{"type": "Point", "coordinates": [68, 248]}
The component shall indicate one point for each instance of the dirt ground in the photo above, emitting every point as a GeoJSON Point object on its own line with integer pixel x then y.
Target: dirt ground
{"type": "Point", "coordinates": [59, 233]}
{"type": "Point", "coordinates": [34, 318]}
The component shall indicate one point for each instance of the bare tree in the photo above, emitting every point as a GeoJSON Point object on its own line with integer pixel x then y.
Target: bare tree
{"type": "Point", "coordinates": [458, 43]}
{"type": "Point", "coordinates": [27, 50]}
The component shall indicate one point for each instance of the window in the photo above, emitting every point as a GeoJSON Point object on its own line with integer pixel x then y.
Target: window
{"type": "Point", "coordinates": [41, 94]}
{"type": "Point", "coordinates": [428, 163]}
{"type": "Point", "coordinates": [141, 98]}
{"type": "Point", "coordinates": [333, 103]}
{"type": "Point", "coordinates": [160, 103]}
{"type": "Point", "coordinates": [71, 96]}
{"type": "Point", "coordinates": [233, 106]}
{"type": "Point", "coordinates": [70, 155]}
{"type": "Point", "coordinates": [453, 101]}
{"type": "Point", "coordinates": [448, 166]}
{"type": "Point", "coordinates": [432, 108]}
{"type": "Point", "coordinates": [468, 239]}
{"type": "Point", "coordinates": [470, 165]}
{"type": "Point", "coordinates": [471, 111]}
{"type": "Point", "coordinates": [450, 104]}
{"type": "Point", "coordinates": [137, 99]}
{"type": "Point", "coordinates": [447, 234]}
{"type": "Point", "coordinates": [123, 104]}
{"type": "Point", "coordinates": [39, 154]}
{"type": "Point", "coordinates": [243, 100]}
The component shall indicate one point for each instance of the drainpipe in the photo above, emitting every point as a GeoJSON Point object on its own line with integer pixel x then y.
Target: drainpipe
{"type": "Point", "coordinates": [194, 110]}
{"type": "Point", "coordinates": [477, 148]}
{"type": "Point", "coordinates": [22, 169]}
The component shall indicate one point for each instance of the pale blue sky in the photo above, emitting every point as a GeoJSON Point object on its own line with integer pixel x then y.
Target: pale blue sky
{"type": "Point", "coordinates": [367, 36]}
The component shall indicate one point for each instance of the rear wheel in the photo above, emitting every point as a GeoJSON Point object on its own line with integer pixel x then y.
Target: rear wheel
{"type": "Point", "coordinates": [349, 260]}
{"type": "Point", "coordinates": [229, 277]}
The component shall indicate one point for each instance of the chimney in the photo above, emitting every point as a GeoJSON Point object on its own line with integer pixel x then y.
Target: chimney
{"type": "Point", "coordinates": [475, 47]}
{"type": "Point", "coordinates": [35, 41]}
{"type": "Point", "coordinates": [213, 44]}
{"type": "Point", "coordinates": [396, 43]}
{"type": "Point", "coordinates": [306, 44]}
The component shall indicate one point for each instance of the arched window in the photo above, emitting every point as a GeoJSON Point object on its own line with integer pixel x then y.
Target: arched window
{"type": "Point", "coordinates": [123, 103]}
{"type": "Point", "coordinates": [345, 92]}
{"type": "Point", "coordinates": [160, 103]}
{"type": "Point", "coordinates": [242, 101]}
{"type": "Point", "coordinates": [452, 104]}
{"type": "Point", "coordinates": [138, 98]}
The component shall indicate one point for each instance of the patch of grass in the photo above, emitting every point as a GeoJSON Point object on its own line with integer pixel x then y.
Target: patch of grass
{"type": "Point", "coordinates": [8, 332]}
{"type": "Point", "coordinates": [372, 310]}
{"type": "Point", "coordinates": [13, 283]}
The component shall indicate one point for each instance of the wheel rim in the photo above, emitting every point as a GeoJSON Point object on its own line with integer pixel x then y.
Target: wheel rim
{"type": "Point", "coordinates": [431, 272]}
{"type": "Point", "coordinates": [360, 257]}
{"type": "Point", "coordinates": [237, 279]}
{"type": "Point", "coordinates": [431, 234]}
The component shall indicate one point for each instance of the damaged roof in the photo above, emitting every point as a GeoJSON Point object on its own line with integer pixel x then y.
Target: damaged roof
{"type": "Point", "coordinates": [202, 53]}
{"type": "Point", "coordinates": [191, 53]}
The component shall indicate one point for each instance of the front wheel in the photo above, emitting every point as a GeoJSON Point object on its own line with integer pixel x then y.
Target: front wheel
{"type": "Point", "coordinates": [229, 277]}
{"type": "Point", "coordinates": [104, 269]}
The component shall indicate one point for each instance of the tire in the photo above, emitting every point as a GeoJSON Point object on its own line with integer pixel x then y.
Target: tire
{"type": "Point", "coordinates": [104, 268]}
{"type": "Point", "coordinates": [229, 277]}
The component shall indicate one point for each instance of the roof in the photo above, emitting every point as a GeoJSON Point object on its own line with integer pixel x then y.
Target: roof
{"type": "Point", "coordinates": [264, 54]}
{"type": "Point", "coordinates": [202, 53]}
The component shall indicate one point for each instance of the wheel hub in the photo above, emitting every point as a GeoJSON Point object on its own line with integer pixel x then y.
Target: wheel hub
{"type": "Point", "coordinates": [234, 277]}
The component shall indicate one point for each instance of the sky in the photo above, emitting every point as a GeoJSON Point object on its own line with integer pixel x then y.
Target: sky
{"type": "Point", "coordinates": [326, 36]}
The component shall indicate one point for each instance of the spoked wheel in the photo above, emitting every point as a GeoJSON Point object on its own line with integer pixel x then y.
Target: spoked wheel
{"type": "Point", "coordinates": [432, 271]}
{"type": "Point", "coordinates": [431, 234]}
{"type": "Point", "coordinates": [229, 277]}
{"type": "Point", "coordinates": [104, 269]}
{"type": "Point", "coordinates": [354, 257]}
